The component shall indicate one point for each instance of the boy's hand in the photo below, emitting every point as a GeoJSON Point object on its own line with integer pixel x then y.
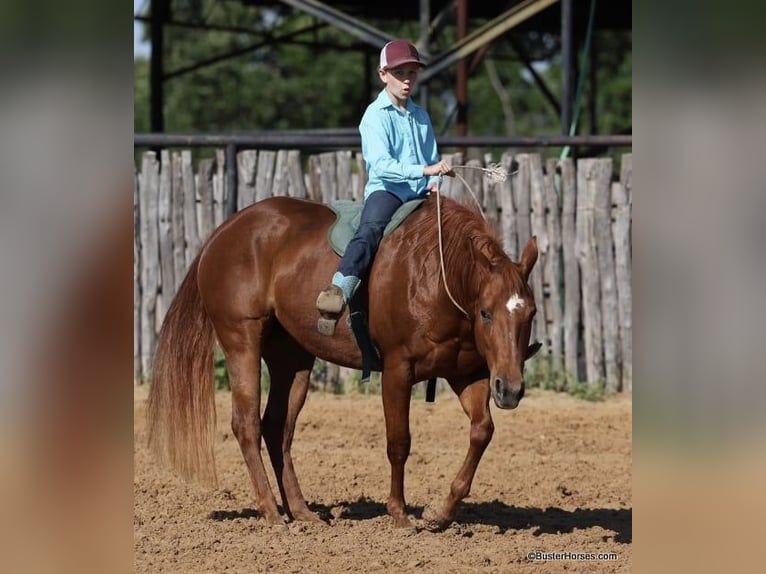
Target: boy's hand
{"type": "Point", "coordinates": [441, 168]}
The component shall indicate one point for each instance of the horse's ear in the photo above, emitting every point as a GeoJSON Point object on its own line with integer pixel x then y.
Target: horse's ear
{"type": "Point", "coordinates": [528, 257]}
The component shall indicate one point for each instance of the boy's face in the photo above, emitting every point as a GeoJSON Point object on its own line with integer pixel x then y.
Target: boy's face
{"type": "Point", "coordinates": [400, 81]}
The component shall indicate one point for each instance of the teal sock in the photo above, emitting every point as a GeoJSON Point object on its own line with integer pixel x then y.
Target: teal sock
{"type": "Point", "coordinates": [347, 284]}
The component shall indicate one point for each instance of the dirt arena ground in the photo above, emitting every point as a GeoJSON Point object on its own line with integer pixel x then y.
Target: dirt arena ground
{"type": "Point", "coordinates": [556, 478]}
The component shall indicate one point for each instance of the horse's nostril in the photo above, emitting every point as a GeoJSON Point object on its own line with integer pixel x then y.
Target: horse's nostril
{"type": "Point", "coordinates": [499, 386]}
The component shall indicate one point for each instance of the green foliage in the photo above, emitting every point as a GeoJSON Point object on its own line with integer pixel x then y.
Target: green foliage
{"type": "Point", "coordinates": [222, 374]}
{"type": "Point", "coordinates": [315, 76]}
{"type": "Point", "coordinates": [545, 373]}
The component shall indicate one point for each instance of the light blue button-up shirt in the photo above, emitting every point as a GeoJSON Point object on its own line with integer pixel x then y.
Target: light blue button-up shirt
{"type": "Point", "coordinates": [397, 145]}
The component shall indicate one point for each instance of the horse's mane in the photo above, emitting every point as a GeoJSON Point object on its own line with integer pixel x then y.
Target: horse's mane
{"type": "Point", "coordinates": [465, 235]}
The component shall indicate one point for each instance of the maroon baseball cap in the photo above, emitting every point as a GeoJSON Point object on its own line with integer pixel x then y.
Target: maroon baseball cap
{"type": "Point", "coordinates": [398, 52]}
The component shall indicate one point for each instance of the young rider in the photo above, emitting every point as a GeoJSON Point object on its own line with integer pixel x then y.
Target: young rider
{"type": "Point", "coordinates": [400, 152]}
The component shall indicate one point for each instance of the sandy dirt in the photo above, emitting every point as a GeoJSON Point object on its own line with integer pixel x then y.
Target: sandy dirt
{"type": "Point", "coordinates": [556, 478]}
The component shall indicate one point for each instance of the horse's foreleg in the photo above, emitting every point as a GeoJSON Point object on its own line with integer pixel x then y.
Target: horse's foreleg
{"type": "Point", "coordinates": [243, 361]}
{"type": "Point", "coordinates": [396, 408]}
{"type": "Point", "coordinates": [474, 398]}
{"type": "Point", "coordinates": [290, 372]}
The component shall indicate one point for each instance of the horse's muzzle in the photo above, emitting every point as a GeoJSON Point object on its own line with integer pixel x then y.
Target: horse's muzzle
{"type": "Point", "coordinates": [506, 396]}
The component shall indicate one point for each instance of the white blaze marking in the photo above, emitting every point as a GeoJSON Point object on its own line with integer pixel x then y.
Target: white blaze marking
{"type": "Point", "coordinates": [514, 303]}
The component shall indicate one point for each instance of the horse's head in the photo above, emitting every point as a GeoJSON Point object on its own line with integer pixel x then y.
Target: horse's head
{"type": "Point", "coordinates": [505, 307]}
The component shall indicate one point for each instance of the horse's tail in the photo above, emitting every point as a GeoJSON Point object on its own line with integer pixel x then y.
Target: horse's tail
{"type": "Point", "coordinates": [181, 400]}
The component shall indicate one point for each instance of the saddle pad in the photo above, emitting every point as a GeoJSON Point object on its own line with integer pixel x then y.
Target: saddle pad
{"type": "Point", "coordinates": [349, 213]}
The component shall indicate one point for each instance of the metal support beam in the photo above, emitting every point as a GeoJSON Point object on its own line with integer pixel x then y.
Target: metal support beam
{"type": "Point", "coordinates": [539, 80]}
{"type": "Point", "coordinates": [484, 35]}
{"type": "Point", "coordinates": [240, 51]}
{"type": "Point", "coordinates": [356, 28]}
{"type": "Point", "coordinates": [350, 139]}
{"type": "Point", "coordinates": [159, 15]}
{"type": "Point", "coordinates": [423, 43]}
{"type": "Point", "coordinates": [567, 65]}
{"type": "Point", "coordinates": [461, 78]}
{"type": "Point", "coordinates": [593, 72]}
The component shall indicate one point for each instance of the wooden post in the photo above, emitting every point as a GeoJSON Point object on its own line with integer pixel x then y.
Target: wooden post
{"type": "Point", "coordinates": [539, 230]}
{"type": "Point", "coordinates": [281, 174]}
{"type": "Point", "coordinates": [313, 179]}
{"type": "Point", "coordinates": [138, 375]}
{"type": "Point", "coordinates": [474, 178]}
{"type": "Point", "coordinates": [587, 255]}
{"type": "Point", "coordinates": [165, 208]}
{"type": "Point", "coordinates": [521, 191]}
{"type": "Point", "coordinates": [610, 320]}
{"type": "Point", "coordinates": [452, 186]}
{"type": "Point", "coordinates": [205, 190]}
{"type": "Point", "coordinates": [264, 178]}
{"type": "Point", "coordinates": [178, 230]}
{"type": "Point", "coordinates": [328, 182]}
{"type": "Point", "coordinates": [508, 210]}
{"type": "Point", "coordinates": [361, 179]}
{"type": "Point", "coordinates": [296, 184]}
{"type": "Point", "coordinates": [149, 199]}
{"type": "Point", "coordinates": [190, 208]}
{"type": "Point", "coordinates": [553, 264]}
{"type": "Point", "coordinates": [572, 300]}
{"type": "Point", "coordinates": [490, 203]}
{"type": "Point", "coordinates": [621, 197]}
{"type": "Point", "coordinates": [246, 164]}
{"type": "Point", "coordinates": [343, 174]}
{"type": "Point", "coordinates": [219, 188]}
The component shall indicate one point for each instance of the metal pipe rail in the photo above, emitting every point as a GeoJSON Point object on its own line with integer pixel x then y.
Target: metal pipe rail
{"type": "Point", "coordinates": [350, 139]}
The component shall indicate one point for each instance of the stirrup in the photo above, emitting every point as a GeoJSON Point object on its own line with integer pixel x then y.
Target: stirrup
{"type": "Point", "coordinates": [330, 301]}
{"type": "Point", "coordinates": [326, 326]}
{"type": "Point", "coordinates": [330, 305]}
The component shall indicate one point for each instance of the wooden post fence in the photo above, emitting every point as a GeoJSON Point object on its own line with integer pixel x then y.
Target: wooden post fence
{"type": "Point", "coordinates": [580, 213]}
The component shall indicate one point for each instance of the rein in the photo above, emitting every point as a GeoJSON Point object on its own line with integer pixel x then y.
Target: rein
{"type": "Point", "coordinates": [495, 174]}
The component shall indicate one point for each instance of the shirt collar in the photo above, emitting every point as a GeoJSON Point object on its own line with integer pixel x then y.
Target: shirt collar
{"type": "Point", "coordinates": [384, 100]}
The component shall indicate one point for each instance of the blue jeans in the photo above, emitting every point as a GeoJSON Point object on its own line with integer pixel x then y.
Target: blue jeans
{"type": "Point", "coordinates": [377, 212]}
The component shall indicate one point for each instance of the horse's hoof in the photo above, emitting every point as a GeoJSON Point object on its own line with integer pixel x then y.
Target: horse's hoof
{"type": "Point", "coordinates": [434, 520]}
{"type": "Point", "coordinates": [402, 522]}
{"type": "Point", "coordinates": [326, 326]}
{"type": "Point", "coordinates": [276, 520]}
{"type": "Point", "coordinates": [308, 516]}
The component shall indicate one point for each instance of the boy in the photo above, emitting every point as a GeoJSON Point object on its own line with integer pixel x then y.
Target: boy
{"type": "Point", "coordinates": [399, 148]}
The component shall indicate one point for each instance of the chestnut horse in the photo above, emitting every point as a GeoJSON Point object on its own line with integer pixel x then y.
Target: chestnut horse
{"type": "Point", "coordinates": [253, 288]}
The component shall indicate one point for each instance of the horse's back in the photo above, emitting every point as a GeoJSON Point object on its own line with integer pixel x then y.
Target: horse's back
{"type": "Point", "coordinates": [271, 260]}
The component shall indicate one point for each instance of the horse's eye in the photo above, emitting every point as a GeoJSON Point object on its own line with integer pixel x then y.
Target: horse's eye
{"type": "Point", "coordinates": [486, 316]}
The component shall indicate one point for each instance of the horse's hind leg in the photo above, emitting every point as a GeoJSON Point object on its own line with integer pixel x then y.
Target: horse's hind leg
{"type": "Point", "coordinates": [474, 398]}
{"type": "Point", "coordinates": [242, 344]}
{"type": "Point", "coordinates": [396, 409]}
{"type": "Point", "coordinates": [290, 370]}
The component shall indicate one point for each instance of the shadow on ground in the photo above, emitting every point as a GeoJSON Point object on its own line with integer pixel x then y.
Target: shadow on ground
{"type": "Point", "coordinates": [504, 517]}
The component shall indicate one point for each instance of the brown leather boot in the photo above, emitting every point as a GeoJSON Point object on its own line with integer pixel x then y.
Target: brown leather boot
{"type": "Point", "coordinates": [330, 301]}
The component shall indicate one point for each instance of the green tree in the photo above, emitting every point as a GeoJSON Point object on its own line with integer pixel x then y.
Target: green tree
{"type": "Point", "coordinates": [141, 95]}
{"type": "Point", "coordinates": [316, 77]}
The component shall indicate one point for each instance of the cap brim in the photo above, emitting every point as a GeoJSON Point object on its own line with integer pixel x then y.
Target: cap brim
{"type": "Point", "coordinates": [402, 61]}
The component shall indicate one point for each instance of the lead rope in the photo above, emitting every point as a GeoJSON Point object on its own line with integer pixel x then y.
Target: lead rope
{"type": "Point", "coordinates": [495, 173]}
{"type": "Point", "coordinates": [441, 251]}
